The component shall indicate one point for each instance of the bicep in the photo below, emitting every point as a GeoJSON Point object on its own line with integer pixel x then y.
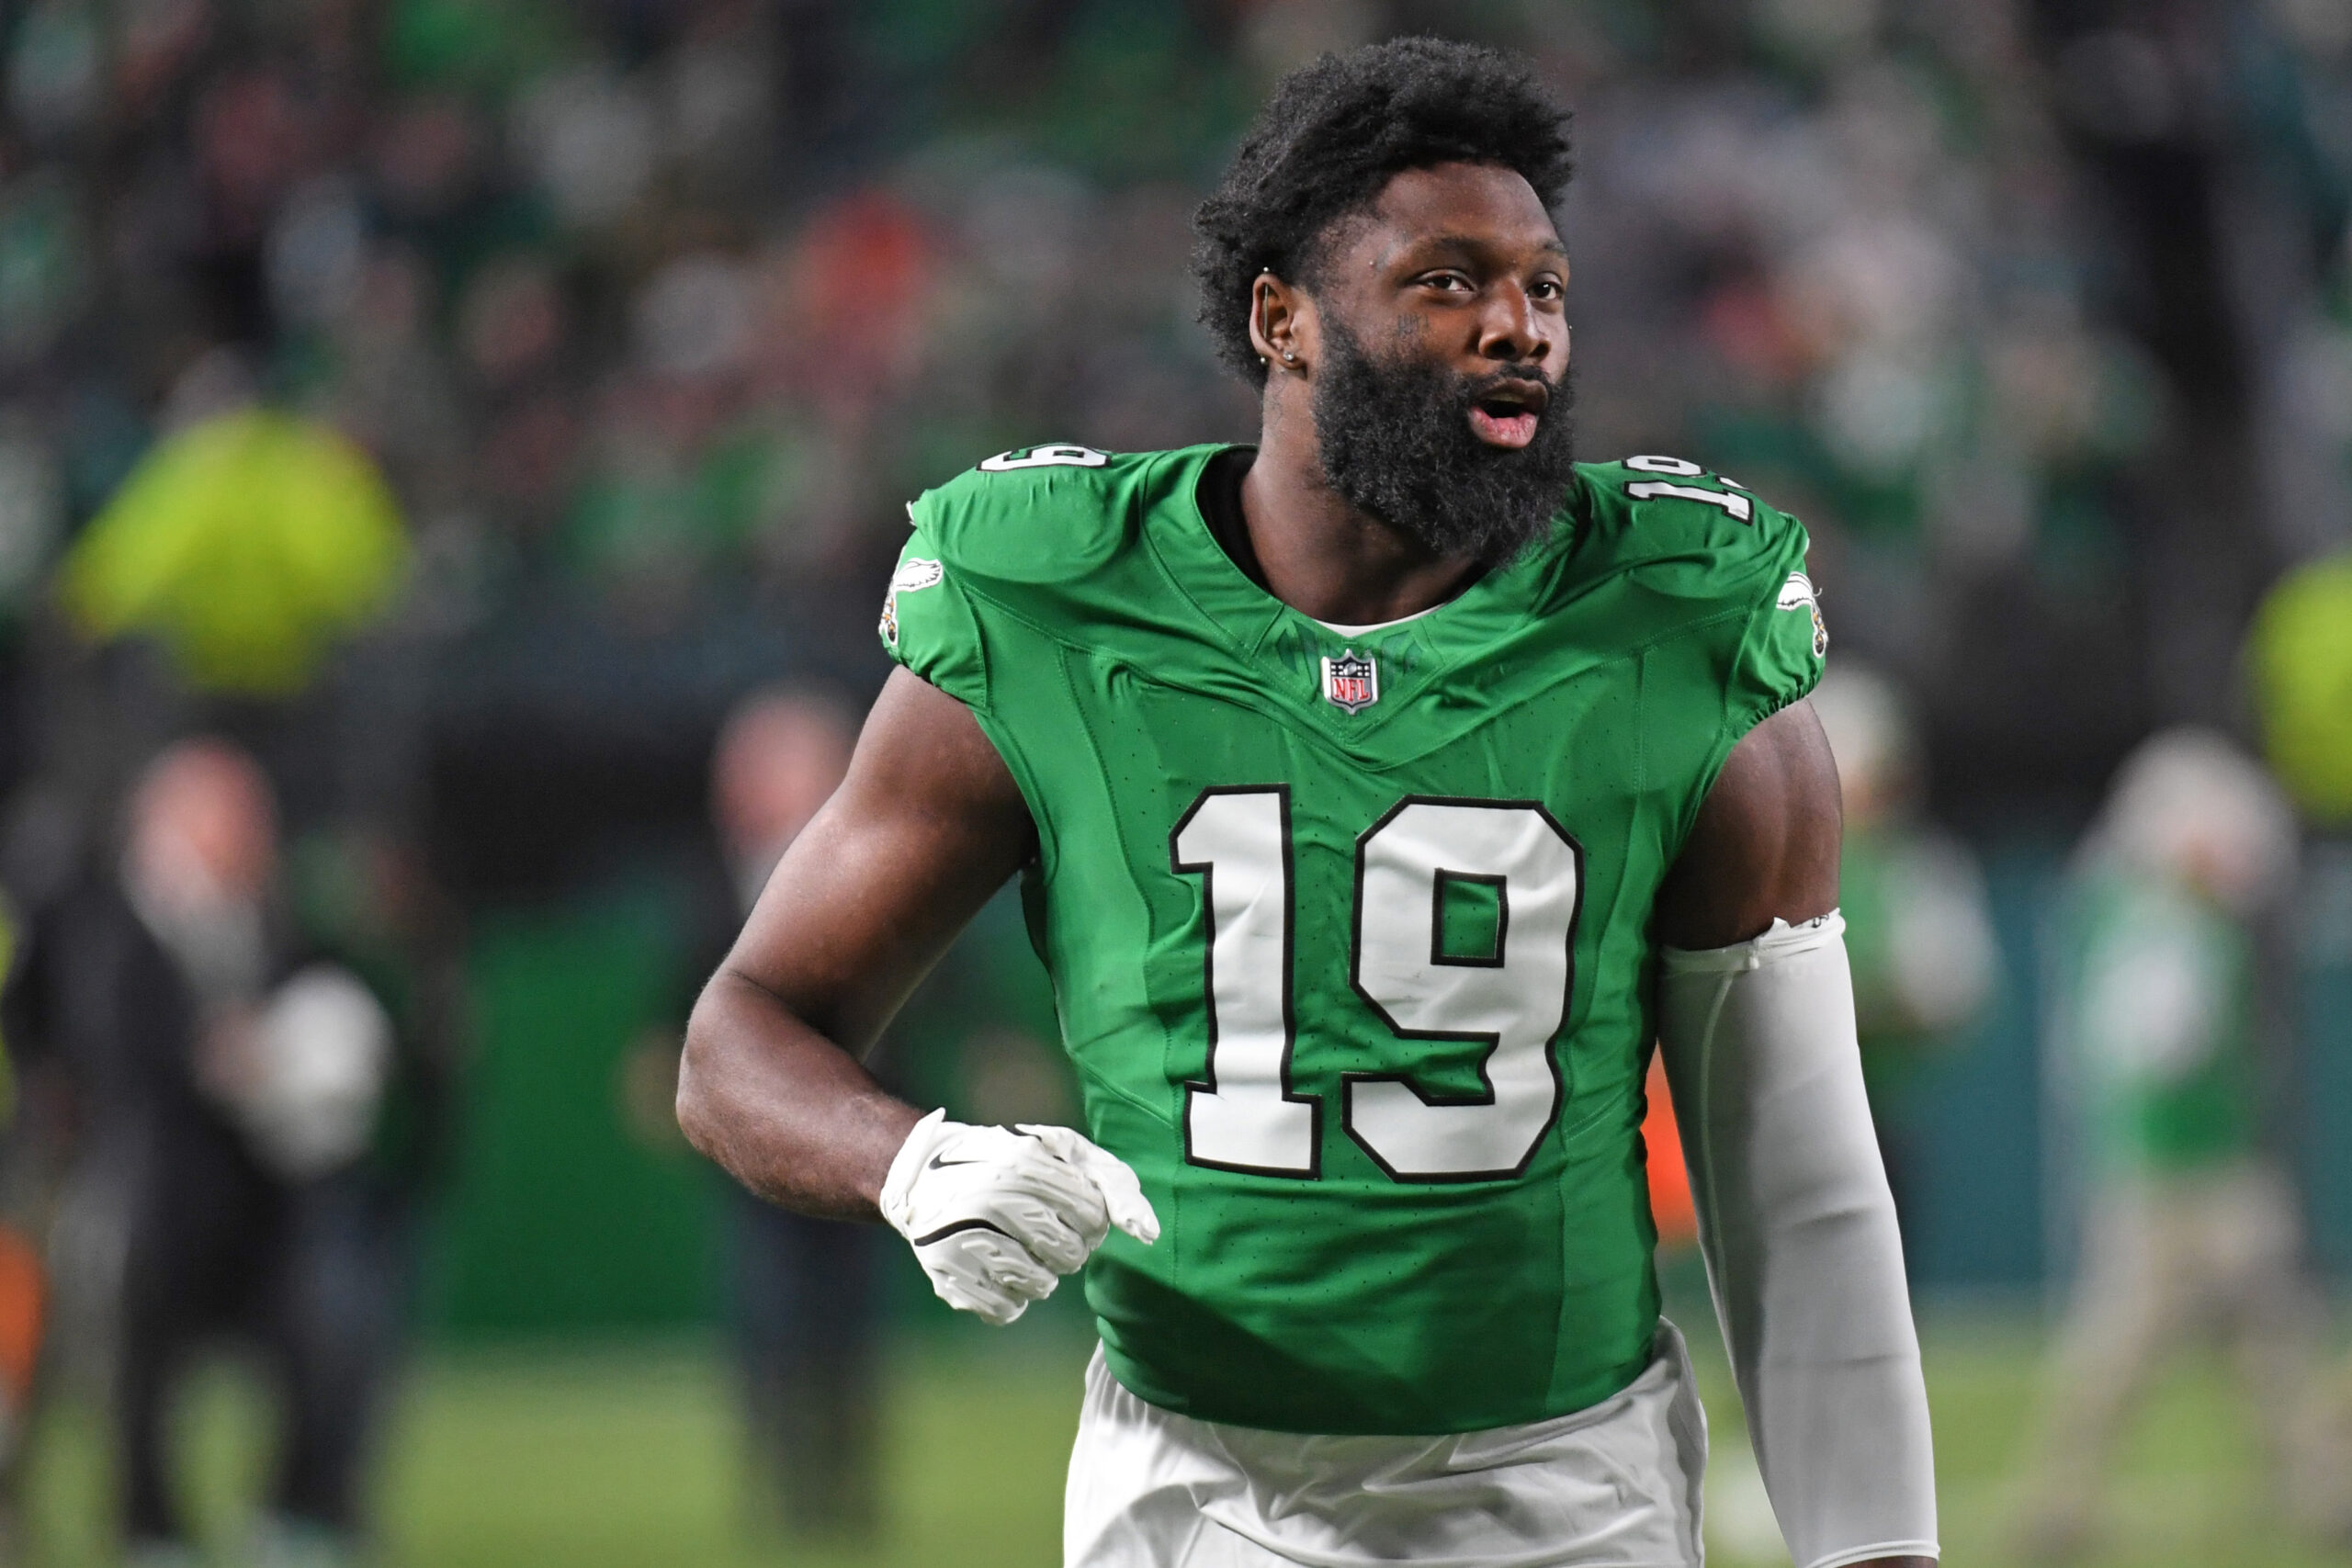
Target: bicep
{"type": "Point", "coordinates": [927, 826]}
{"type": "Point", "coordinates": [1765, 845]}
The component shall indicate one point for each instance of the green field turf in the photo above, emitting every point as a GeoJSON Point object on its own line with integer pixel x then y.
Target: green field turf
{"type": "Point", "coordinates": [629, 1457]}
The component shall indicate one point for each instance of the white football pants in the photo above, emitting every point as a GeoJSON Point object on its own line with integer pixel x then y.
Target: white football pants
{"type": "Point", "coordinates": [1612, 1486]}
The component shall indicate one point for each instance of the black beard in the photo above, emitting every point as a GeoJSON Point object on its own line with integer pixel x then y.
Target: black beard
{"type": "Point", "coordinates": [1397, 443]}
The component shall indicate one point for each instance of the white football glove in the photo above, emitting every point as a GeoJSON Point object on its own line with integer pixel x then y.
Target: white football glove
{"type": "Point", "coordinates": [996, 1214]}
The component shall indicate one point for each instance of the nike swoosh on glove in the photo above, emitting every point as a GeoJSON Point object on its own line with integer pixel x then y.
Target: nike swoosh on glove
{"type": "Point", "coordinates": [996, 1214]}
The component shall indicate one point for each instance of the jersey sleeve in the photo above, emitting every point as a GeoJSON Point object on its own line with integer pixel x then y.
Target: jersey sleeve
{"type": "Point", "coordinates": [1722, 576]}
{"type": "Point", "coordinates": [1786, 642]}
{"type": "Point", "coordinates": [1019, 543]}
{"type": "Point", "coordinates": [1706, 552]}
{"type": "Point", "coordinates": [927, 623]}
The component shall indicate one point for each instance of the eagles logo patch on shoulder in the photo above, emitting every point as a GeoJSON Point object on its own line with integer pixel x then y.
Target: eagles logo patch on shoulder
{"type": "Point", "coordinates": [915, 572]}
{"type": "Point", "coordinates": [1798, 593]}
{"type": "Point", "coordinates": [913, 575]}
{"type": "Point", "coordinates": [1351, 682]}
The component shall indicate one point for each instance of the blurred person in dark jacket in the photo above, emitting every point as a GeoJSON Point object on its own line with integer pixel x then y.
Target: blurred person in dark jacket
{"type": "Point", "coordinates": [805, 1290]}
{"type": "Point", "coordinates": [2190, 1229]}
{"type": "Point", "coordinates": [226, 1084]}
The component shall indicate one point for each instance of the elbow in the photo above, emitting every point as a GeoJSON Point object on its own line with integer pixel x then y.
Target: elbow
{"type": "Point", "coordinates": [700, 1105]}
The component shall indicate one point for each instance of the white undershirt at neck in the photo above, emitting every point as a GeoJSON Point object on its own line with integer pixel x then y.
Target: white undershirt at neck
{"type": "Point", "coordinates": [1375, 627]}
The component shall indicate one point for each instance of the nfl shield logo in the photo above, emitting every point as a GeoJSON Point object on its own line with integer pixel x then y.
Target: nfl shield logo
{"type": "Point", "coordinates": [1351, 682]}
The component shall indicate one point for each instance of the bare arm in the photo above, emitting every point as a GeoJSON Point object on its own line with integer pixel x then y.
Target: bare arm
{"type": "Point", "coordinates": [926, 827]}
{"type": "Point", "coordinates": [1764, 847]}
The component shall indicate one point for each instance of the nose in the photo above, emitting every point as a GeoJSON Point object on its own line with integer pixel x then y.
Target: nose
{"type": "Point", "coordinates": [1509, 330]}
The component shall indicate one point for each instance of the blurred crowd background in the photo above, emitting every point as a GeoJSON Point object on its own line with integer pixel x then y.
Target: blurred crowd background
{"type": "Point", "coordinates": [451, 456]}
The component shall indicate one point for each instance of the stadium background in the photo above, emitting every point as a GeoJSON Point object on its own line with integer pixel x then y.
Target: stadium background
{"type": "Point", "coordinates": [653, 313]}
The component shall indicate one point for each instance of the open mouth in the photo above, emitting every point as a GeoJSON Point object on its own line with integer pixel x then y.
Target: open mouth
{"type": "Point", "coordinates": [1506, 414]}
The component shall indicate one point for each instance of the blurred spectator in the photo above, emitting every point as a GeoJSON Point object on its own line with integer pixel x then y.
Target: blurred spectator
{"type": "Point", "coordinates": [806, 1313]}
{"type": "Point", "coordinates": [2189, 1229]}
{"type": "Point", "coordinates": [226, 1089]}
{"type": "Point", "coordinates": [1917, 929]}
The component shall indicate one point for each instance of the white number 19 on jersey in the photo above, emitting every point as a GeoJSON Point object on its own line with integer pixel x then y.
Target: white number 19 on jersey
{"type": "Point", "coordinates": [1247, 1116]}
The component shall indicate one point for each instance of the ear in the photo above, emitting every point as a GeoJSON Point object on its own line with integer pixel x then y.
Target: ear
{"type": "Point", "coordinates": [1281, 324]}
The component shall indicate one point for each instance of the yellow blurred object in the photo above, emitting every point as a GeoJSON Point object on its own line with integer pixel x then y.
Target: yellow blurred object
{"type": "Point", "coordinates": [245, 544]}
{"type": "Point", "coordinates": [2300, 652]}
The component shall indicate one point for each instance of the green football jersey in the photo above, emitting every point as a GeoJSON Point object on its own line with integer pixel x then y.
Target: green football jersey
{"type": "Point", "coordinates": [2157, 998]}
{"type": "Point", "coordinates": [1350, 932]}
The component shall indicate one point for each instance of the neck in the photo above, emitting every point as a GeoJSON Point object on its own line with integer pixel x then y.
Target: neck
{"type": "Point", "coordinates": [1320, 555]}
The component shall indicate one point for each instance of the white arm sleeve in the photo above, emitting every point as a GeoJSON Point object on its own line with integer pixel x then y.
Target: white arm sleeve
{"type": "Point", "coordinates": [1799, 1232]}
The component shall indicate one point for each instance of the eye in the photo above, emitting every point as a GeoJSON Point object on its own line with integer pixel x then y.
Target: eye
{"type": "Point", "coordinates": [1546, 288]}
{"type": "Point", "coordinates": [1445, 282]}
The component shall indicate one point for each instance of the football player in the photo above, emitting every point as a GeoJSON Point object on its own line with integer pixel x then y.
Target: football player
{"type": "Point", "coordinates": [1380, 794]}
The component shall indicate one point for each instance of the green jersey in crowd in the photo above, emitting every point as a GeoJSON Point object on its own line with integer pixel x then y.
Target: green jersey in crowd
{"type": "Point", "coordinates": [2158, 990]}
{"type": "Point", "coordinates": [1349, 928]}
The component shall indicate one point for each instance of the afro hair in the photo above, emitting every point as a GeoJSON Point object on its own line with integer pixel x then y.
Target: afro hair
{"type": "Point", "coordinates": [1335, 132]}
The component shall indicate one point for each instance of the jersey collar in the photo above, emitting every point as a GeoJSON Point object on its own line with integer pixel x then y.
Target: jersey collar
{"type": "Point", "coordinates": [1289, 644]}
